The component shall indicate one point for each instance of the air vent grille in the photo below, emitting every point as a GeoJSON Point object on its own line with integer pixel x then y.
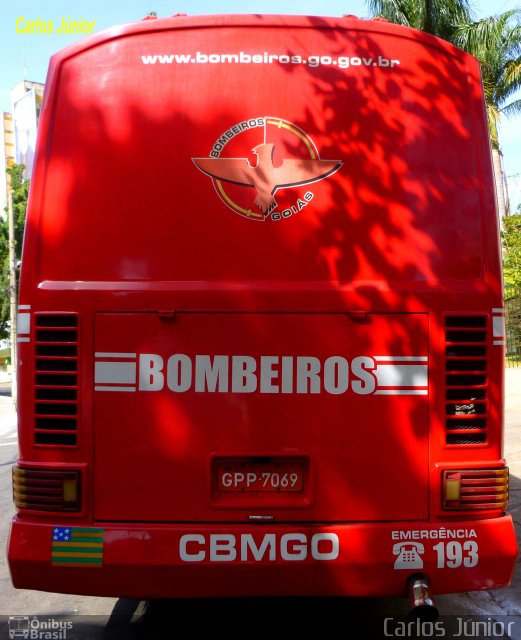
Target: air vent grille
{"type": "Point", "coordinates": [56, 380]}
{"type": "Point", "coordinates": [466, 393]}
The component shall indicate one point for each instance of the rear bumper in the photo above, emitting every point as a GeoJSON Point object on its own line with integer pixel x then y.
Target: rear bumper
{"type": "Point", "coordinates": [162, 561]}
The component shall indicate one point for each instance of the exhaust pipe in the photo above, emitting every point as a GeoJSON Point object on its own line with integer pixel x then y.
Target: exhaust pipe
{"type": "Point", "coordinates": [420, 600]}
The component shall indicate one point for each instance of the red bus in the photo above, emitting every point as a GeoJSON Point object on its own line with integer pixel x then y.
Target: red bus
{"type": "Point", "coordinates": [261, 323]}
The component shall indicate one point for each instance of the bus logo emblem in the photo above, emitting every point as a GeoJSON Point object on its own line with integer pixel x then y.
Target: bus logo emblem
{"type": "Point", "coordinates": [283, 157]}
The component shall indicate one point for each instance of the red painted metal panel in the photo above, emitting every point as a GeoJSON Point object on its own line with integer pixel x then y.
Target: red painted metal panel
{"type": "Point", "coordinates": [263, 225]}
{"type": "Point", "coordinates": [172, 394]}
{"type": "Point", "coordinates": [146, 561]}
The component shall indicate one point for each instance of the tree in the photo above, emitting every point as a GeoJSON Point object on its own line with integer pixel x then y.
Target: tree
{"type": "Point", "coordinates": [438, 17]}
{"type": "Point", "coordinates": [511, 241]}
{"type": "Point", "coordinates": [20, 191]}
{"type": "Point", "coordinates": [495, 41]}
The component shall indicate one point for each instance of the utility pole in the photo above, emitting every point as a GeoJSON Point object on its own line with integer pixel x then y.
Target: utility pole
{"type": "Point", "coordinates": [12, 293]}
{"type": "Point", "coordinates": [501, 185]}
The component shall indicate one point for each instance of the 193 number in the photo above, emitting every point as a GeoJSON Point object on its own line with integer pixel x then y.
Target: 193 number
{"type": "Point", "coordinates": [453, 554]}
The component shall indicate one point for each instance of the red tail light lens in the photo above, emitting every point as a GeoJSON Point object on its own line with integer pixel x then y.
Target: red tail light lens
{"type": "Point", "coordinates": [46, 490]}
{"type": "Point", "coordinates": [475, 489]}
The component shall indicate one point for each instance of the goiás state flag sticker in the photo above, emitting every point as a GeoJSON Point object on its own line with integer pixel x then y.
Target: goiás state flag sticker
{"type": "Point", "coordinates": [77, 547]}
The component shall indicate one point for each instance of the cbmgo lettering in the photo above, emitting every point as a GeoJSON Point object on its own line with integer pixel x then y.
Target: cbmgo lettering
{"type": "Point", "coordinates": [289, 547]}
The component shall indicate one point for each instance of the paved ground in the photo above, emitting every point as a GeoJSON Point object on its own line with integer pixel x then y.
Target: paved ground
{"type": "Point", "coordinates": [112, 619]}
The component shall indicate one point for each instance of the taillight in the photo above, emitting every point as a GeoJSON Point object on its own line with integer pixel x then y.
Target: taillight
{"type": "Point", "coordinates": [475, 489]}
{"type": "Point", "coordinates": [46, 490]}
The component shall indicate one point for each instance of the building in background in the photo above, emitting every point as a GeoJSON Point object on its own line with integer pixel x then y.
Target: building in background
{"type": "Point", "coordinates": [17, 144]}
{"type": "Point", "coordinates": [18, 132]}
{"type": "Point", "coordinates": [26, 100]}
{"type": "Point", "coordinates": [7, 155]}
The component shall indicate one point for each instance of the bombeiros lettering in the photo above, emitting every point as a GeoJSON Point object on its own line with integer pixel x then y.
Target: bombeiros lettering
{"type": "Point", "coordinates": [228, 547]}
{"type": "Point", "coordinates": [232, 132]}
{"type": "Point", "coordinates": [246, 374]}
{"type": "Point", "coordinates": [333, 374]}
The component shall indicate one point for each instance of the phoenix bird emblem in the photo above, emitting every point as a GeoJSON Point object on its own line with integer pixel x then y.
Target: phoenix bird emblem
{"type": "Point", "coordinates": [265, 177]}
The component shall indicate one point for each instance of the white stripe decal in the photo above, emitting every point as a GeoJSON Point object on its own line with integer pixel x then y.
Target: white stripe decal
{"type": "Point", "coordinates": [23, 323]}
{"type": "Point", "coordinates": [500, 310]}
{"type": "Point", "coordinates": [498, 326]}
{"type": "Point", "coordinates": [401, 392]}
{"type": "Point", "coordinates": [401, 358]}
{"type": "Point", "coordinates": [113, 388]}
{"type": "Point", "coordinates": [103, 354]}
{"type": "Point", "coordinates": [499, 342]}
{"type": "Point", "coordinates": [401, 375]}
{"type": "Point", "coordinates": [118, 371]}
{"type": "Point", "coordinates": [115, 372]}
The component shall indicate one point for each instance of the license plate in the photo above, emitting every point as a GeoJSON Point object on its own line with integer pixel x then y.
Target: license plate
{"type": "Point", "coordinates": [278, 477]}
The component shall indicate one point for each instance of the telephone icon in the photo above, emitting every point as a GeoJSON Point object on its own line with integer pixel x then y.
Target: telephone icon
{"type": "Point", "coordinates": [408, 555]}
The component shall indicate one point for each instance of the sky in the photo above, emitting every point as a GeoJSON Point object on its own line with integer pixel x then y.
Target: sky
{"type": "Point", "coordinates": [26, 56]}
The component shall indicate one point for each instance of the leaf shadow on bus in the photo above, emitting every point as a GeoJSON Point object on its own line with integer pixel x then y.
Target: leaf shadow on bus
{"type": "Point", "coordinates": [384, 246]}
{"type": "Point", "coordinates": [418, 194]}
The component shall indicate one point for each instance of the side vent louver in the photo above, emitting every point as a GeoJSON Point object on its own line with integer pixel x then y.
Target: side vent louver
{"type": "Point", "coordinates": [466, 379]}
{"type": "Point", "coordinates": [56, 383]}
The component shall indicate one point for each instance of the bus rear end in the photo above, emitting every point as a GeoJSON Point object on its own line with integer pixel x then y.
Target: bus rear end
{"type": "Point", "coordinates": [261, 327]}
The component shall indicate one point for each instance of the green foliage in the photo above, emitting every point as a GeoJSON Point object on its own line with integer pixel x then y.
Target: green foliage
{"type": "Point", "coordinates": [511, 241]}
{"type": "Point", "coordinates": [20, 191]}
{"type": "Point", "coordinates": [438, 17]}
{"type": "Point", "coordinates": [495, 41]}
